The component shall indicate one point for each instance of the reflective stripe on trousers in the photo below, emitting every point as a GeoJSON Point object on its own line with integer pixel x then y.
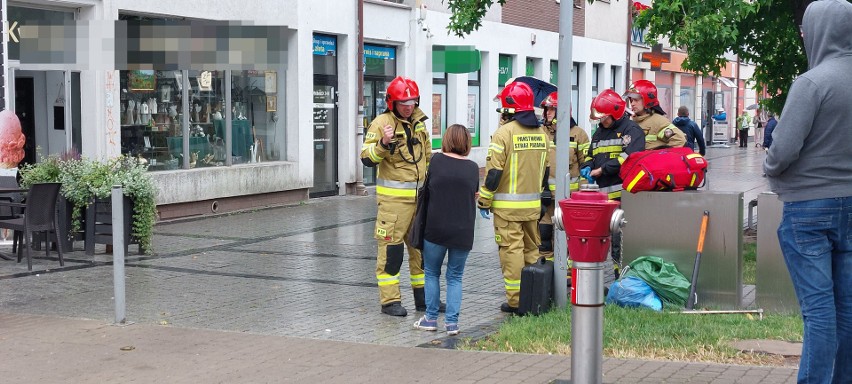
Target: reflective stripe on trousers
{"type": "Point", "coordinates": [397, 188]}
{"type": "Point", "coordinates": [516, 200]}
{"type": "Point", "coordinates": [613, 191]}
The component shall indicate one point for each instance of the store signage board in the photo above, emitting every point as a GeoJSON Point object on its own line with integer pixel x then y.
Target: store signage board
{"type": "Point", "coordinates": [325, 45]}
{"type": "Point", "coordinates": [456, 59]}
{"type": "Point", "coordinates": [376, 52]}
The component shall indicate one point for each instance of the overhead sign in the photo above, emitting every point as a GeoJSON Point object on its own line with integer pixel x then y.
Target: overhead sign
{"type": "Point", "coordinates": [656, 57]}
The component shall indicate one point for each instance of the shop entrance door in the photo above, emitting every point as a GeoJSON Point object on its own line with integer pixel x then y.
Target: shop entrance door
{"type": "Point", "coordinates": [25, 109]}
{"type": "Point", "coordinates": [48, 105]}
{"type": "Point", "coordinates": [374, 105]}
{"type": "Point", "coordinates": [325, 137]}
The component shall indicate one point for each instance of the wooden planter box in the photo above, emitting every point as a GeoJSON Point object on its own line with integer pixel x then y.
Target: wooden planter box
{"type": "Point", "coordinates": [99, 224]}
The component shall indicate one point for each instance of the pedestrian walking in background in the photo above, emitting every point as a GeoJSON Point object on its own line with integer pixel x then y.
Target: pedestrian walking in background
{"type": "Point", "coordinates": [690, 129]}
{"type": "Point", "coordinates": [398, 145]}
{"type": "Point", "coordinates": [743, 124]}
{"type": "Point", "coordinates": [647, 113]}
{"type": "Point", "coordinates": [450, 216]}
{"type": "Point", "coordinates": [809, 167]}
{"type": "Point", "coordinates": [758, 122]}
{"type": "Point", "coordinates": [770, 126]}
{"type": "Point", "coordinates": [515, 175]}
{"type": "Point", "coordinates": [616, 138]}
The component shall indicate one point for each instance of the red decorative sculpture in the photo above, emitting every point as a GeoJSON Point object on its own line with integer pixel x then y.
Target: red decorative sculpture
{"type": "Point", "coordinates": [12, 140]}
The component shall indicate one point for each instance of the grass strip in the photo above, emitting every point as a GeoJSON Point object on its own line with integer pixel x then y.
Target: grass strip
{"type": "Point", "coordinates": [644, 334]}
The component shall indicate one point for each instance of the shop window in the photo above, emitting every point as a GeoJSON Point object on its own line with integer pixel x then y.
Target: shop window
{"type": "Point", "coordinates": [439, 107]}
{"type": "Point", "coordinates": [473, 106]}
{"type": "Point", "coordinates": [257, 132]}
{"type": "Point", "coordinates": [687, 98]}
{"type": "Point", "coordinates": [152, 117]}
{"type": "Point", "coordinates": [155, 125]}
{"type": "Point", "coordinates": [504, 71]}
{"type": "Point", "coordinates": [665, 97]}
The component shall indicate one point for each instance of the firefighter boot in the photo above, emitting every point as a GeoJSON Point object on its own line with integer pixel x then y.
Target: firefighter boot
{"type": "Point", "coordinates": [420, 301]}
{"type": "Point", "coordinates": [394, 309]}
{"type": "Point", "coordinates": [505, 307]}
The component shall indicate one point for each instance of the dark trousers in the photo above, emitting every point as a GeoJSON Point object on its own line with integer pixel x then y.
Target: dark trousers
{"type": "Point", "coordinates": [743, 138]}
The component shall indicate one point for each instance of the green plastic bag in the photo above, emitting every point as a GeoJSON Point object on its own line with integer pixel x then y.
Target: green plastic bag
{"type": "Point", "coordinates": [663, 277]}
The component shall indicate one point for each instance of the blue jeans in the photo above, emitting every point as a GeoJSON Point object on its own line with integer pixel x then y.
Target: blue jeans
{"type": "Point", "coordinates": [816, 240]}
{"type": "Point", "coordinates": [433, 258]}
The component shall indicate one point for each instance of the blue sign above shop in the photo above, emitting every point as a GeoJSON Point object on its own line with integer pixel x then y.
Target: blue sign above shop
{"type": "Point", "coordinates": [377, 52]}
{"type": "Point", "coordinates": [325, 45]}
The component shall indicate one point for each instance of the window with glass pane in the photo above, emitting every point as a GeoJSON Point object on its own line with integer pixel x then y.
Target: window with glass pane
{"type": "Point", "coordinates": [530, 66]}
{"type": "Point", "coordinates": [504, 70]}
{"type": "Point", "coordinates": [575, 90]}
{"type": "Point", "coordinates": [206, 129]}
{"type": "Point", "coordinates": [595, 79]}
{"type": "Point", "coordinates": [687, 98]}
{"type": "Point", "coordinates": [257, 133]}
{"type": "Point", "coordinates": [554, 71]}
{"type": "Point", "coordinates": [613, 74]}
{"type": "Point", "coordinates": [152, 118]}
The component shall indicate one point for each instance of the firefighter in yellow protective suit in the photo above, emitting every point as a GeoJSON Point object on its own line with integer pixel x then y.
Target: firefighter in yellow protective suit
{"type": "Point", "coordinates": [579, 145]}
{"type": "Point", "coordinates": [398, 145]}
{"type": "Point", "coordinates": [659, 131]}
{"type": "Point", "coordinates": [516, 171]}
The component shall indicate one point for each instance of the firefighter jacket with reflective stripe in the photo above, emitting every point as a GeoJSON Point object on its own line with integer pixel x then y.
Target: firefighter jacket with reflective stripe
{"type": "Point", "coordinates": [655, 127]}
{"type": "Point", "coordinates": [401, 166]}
{"type": "Point", "coordinates": [579, 145]}
{"type": "Point", "coordinates": [520, 152]}
{"type": "Point", "coordinates": [609, 148]}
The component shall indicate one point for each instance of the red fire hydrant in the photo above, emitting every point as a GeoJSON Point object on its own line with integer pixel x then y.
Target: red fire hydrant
{"type": "Point", "coordinates": [588, 219]}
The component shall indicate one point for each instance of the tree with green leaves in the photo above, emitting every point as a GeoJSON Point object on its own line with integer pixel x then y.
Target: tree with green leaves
{"type": "Point", "coordinates": [762, 32]}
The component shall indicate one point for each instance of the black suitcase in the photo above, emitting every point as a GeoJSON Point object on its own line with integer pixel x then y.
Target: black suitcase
{"type": "Point", "coordinates": [536, 288]}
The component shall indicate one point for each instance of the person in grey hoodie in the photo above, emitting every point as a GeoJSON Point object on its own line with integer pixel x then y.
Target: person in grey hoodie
{"type": "Point", "coordinates": [809, 166]}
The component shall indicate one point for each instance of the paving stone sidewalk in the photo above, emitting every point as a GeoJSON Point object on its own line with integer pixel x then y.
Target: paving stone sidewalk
{"type": "Point", "coordinates": [62, 350]}
{"type": "Point", "coordinates": [284, 294]}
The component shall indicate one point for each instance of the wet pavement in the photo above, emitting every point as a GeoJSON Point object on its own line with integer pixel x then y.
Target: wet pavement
{"type": "Point", "coordinates": [304, 271]}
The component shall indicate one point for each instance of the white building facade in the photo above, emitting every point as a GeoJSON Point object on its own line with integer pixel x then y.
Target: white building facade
{"type": "Point", "coordinates": [221, 139]}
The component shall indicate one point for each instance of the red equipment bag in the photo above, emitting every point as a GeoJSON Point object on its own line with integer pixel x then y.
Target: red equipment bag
{"type": "Point", "coordinates": [666, 169]}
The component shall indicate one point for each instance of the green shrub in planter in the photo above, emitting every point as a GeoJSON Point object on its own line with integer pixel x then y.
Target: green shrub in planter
{"type": "Point", "coordinates": [84, 179]}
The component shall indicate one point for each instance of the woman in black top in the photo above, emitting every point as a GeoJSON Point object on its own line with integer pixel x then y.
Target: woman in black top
{"type": "Point", "coordinates": [453, 181]}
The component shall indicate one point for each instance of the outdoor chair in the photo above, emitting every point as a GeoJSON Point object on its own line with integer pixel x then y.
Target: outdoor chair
{"type": "Point", "coordinates": [39, 216]}
{"type": "Point", "coordinates": [7, 212]}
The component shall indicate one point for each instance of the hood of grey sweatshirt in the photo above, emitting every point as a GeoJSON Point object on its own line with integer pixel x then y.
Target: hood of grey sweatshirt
{"type": "Point", "coordinates": [811, 153]}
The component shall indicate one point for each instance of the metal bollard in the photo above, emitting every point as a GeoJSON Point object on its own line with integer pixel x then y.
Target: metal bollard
{"type": "Point", "coordinates": [118, 254]}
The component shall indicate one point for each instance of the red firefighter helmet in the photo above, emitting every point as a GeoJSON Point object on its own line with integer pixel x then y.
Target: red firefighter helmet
{"type": "Point", "coordinates": [608, 103]}
{"type": "Point", "coordinates": [402, 89]}
{"type": "Point", "coordinates": [551, 101]}
{"type": "Point", "coordinates": [517, 96]}
{"type": "Point", "coordinates": [646, 90]}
